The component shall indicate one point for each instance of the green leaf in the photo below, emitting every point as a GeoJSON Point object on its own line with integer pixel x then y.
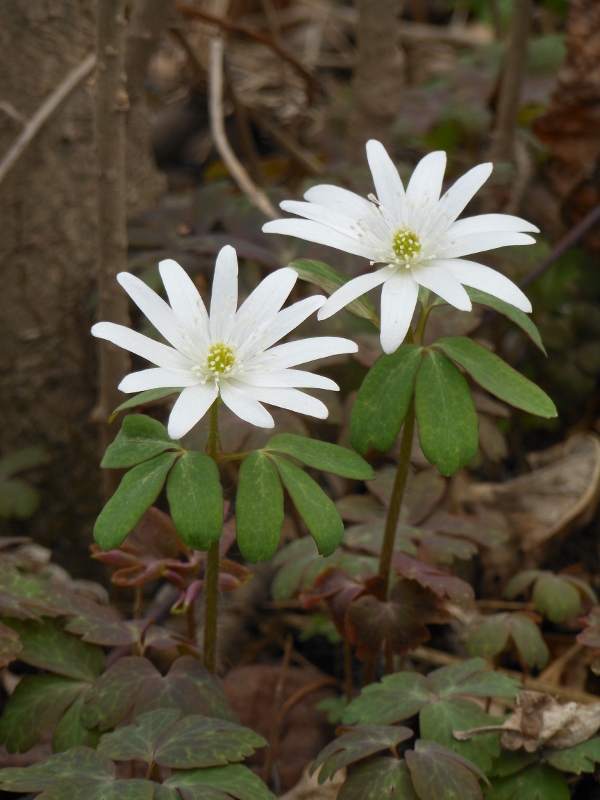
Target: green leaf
{"type": "Point", "coordinates": [234, 779]}
{"type": "Point", "coordinates": [528, 640]}
{"type": "Point", "coordinates": [330, 280]}
{"type": "Point", "coordinates": [27, 458]}
{"type": "Point", "coordinates": [90, 789]}
{"type": "Point", "coordinates": [397, 697]}
{"type": "Point", "coordinates": [491, 637]}
{"type": "Point", "coordinates": [196, 500]}
{"type": "Point", "coordinates": [446, 414]}
{"type": "Point", "coordinates": [112, 696]}
{"type": "Point", "coordinates": [79, 762]}
{"type": "Point", "coordinates": [383, 399]}
{"type": "Point", "coordinates": [70, 730]}
{"type": "Point", "coordinates": [514, 314]}
{"type": "Point", "coordinates": [497, 377]}
{"type": "Point", "coordinates": [379, 779]}
{"type": "Point", "coordinates": [139, 439]}
{"type": "Point", "coordinates": [48, 646]}
{"type": "Point", "coordinates": [358, 743]}
{"type": "Point", "coordinates": [143, 398]}
{"type": "Point", "coordinates": [316, 509]}
{"type": "Point", "coordinates": [137, 491]}
{"type": "Point", "coordinates": [18, 499]}
{"type": "Point", "coordinates": [581, 758]}
{"type": "Point", "coordinates": [437, 721]}
{"type": "Point", "coordinates": [139, 741]}
{"type": "Point", "coordinates": [322, 455]}
{"type": "Point", "coordinates": [538, 782]}
{"type": "Point", "coordinates": [555, 598]}
{"type": "Point", "coordinates": [471, 678]}
{"type": "Point", "coordinates": [37, 704]}
{"type": "Point", "coordinates": [198, 741]}
{"type": "Point", "coordinates": [440, 774]}
{"type": "Point", "coordinates": [258, 508]}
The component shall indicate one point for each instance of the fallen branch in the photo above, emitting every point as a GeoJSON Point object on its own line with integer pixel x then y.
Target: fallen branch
{"type": "Point", "coordinates": [568, 241]}
{"type": "Point", "coordinates": [251, 33]}
{"type": "Point", "coordinates": [44, 113]}
{"type": "Point", "coordinates": [217, 127]}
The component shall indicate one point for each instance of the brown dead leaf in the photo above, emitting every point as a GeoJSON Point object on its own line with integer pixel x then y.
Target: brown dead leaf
{"type": "Point", "coordinates": [308, 788]}
{"type": "Point", "coordinates": [560, 493]}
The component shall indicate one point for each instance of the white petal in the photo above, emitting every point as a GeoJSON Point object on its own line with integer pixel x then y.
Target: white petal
{"type": "Point", "coordinates": [154, 307]}
{"type": "Point", "coordinates": [157, 379]}
{"type": "Point", "coordinates": [291, 399]}
{"type": "Point", "coordinates": [304, 350]}
{"type": "Point", "coordinates": [157, 353]}
{"type": "Point", "coordinates": [460, 194]}
{"type": "Point", "coordinates": [426, 181]}
{"type": "Point", "coordinates": [223, 301]}
{"type": "Point", "coordinates": [191, 405]}
{"type": "Point", "coordinates": [296, 378]}
{"type": "Point", "coordinates": [455, 246]}
{"type": "Point", "coordinates": [244, 406]}
{"type": "Point", "coordinates": [185, 300]}
{"type": "Point", "coordinates": [351, 290]}
{"type": "Point", "coordinates": [388, 184]}
{"type": "Point", "coordinates": [325, 216]}
{"type": "Point", "coordinates": [487, 280]}
{"type": "Point", "coordinates": [485, 223]}
{"type": "Point", "coordinates": [264, 302]}
{"type": "Point", "coordinates": [320, 234]}
{"type": "Point", "coordinates": [398, 300]}
{"type": "Point", "coordinates": [340, 200]}
{"type": "Point", "coordinates": [443, 283]}
{"type": "Point", "coordinates": [287, 320]}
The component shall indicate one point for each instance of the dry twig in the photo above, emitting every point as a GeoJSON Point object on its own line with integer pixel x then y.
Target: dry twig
{"type": "Point", "coordinates": [217, 126]}
{"type": "Point", "coordinates": [44, 112]}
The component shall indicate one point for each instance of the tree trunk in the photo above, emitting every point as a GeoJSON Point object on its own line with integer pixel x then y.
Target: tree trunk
{"type": "Point", "coordinates": [48, 258]}
{"type": "Point", "coordinates": [378, 75]}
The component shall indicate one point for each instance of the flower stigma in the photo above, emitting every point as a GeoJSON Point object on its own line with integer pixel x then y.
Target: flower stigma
{"type": "Point", "coordinates": [220, 359]}
{"type": "Point", "coordinates": [406, 245]}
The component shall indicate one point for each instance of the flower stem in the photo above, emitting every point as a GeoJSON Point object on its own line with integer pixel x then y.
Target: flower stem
{"type": "Point", "coordinates": [211, 574]}
{"type": "Point", "coordinates": [391, 522]}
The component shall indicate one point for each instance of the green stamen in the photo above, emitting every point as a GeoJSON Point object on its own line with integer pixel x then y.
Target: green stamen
{"type": "Point", "coordinates": [406, 244]}
{"type": "Point", "coordinates": [220, 358]}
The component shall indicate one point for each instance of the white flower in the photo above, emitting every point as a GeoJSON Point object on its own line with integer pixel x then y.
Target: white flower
{"type": "Point", "coordinates": [414, 233]}
{"type": "Point", "coordinates": [228, 353]}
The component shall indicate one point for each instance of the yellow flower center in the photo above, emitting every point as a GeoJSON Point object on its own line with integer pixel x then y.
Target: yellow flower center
{"type": "Point", "coordinates": [406, 244]}
{"type": "Point", "coordinates": [220, 358]}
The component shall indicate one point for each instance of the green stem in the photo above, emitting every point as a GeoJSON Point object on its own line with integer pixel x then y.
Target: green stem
{"type": "Point", "coordinates": [211, 573]}
{"type": "Point", "coordinates": [391, 522]}
{"type": "Point", "coordinates": [393, 515]}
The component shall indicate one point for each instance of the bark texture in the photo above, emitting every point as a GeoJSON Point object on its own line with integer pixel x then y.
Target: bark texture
{"type": "Point", "coordinates": [378, 74]}
{"type": "Point", "coordinates": [48, 261]}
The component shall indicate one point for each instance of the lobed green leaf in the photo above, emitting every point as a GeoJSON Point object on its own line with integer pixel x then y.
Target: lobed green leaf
{"type": "Point", "coordinates": [379, 778]}
{"type": "Point", "coordinates": [196, 500]}
{"type": "Point", "coordinates": [258, 508]}
{"type": "Point", "coordinates": [137, 491]}
{"type": "Point", "coordinates": [234, 779]}
{"type": "Point", "coordinates": [322, 455]}
{"type": "Point", "coordinates": [383, 399]}
{"type": "Point", "coordinates": [497, 376]}
{"type": "Point", "coordinates": [139, 439]}
{"type": "Point", "coordinates": [446, 414]}
{"type": "Point", "coordinates": [316, 509]}
{"type": "Point", "coordinates": [581, 758]}
{"type": "Point", "coordinates": [537, 782]}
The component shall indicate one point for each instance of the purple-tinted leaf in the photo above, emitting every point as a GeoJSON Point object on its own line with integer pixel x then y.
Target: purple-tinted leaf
{"type": "Point", "coordinates": [234, 780]}
{"type": "Point", "coordinates": [79, 762]}
{"type": "Point", "coordinates": [139, 741]}
{"type": "Point", "coordinates": [379, 779]}
{"type": "Point", "coordinates": [397, 697]}
{"type": "Point", "coordinates": [37, 704]}
{"type": "Point", "coordinates": [356, 744]}
{"type": "Point", "coordinates": [441, 774]}
{"type": "Point", "coordinates": [441, 583]}
{"type": "Point", "coordinates": [10, 645]}
{"type": "Point", "coordinates": [197, 741]}
{"type": "Point", "coordinates": [113, 695]}
{"type": "Point", "coordinates": [48, 646]}
{"type": "Point", "coordinates": [478, 530]}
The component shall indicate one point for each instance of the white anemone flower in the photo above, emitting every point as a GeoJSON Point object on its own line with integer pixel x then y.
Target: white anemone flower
{"type": "Point", "coordinates": [228, 353]}
{"type": "Point", "coordinates": [414, 233]}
